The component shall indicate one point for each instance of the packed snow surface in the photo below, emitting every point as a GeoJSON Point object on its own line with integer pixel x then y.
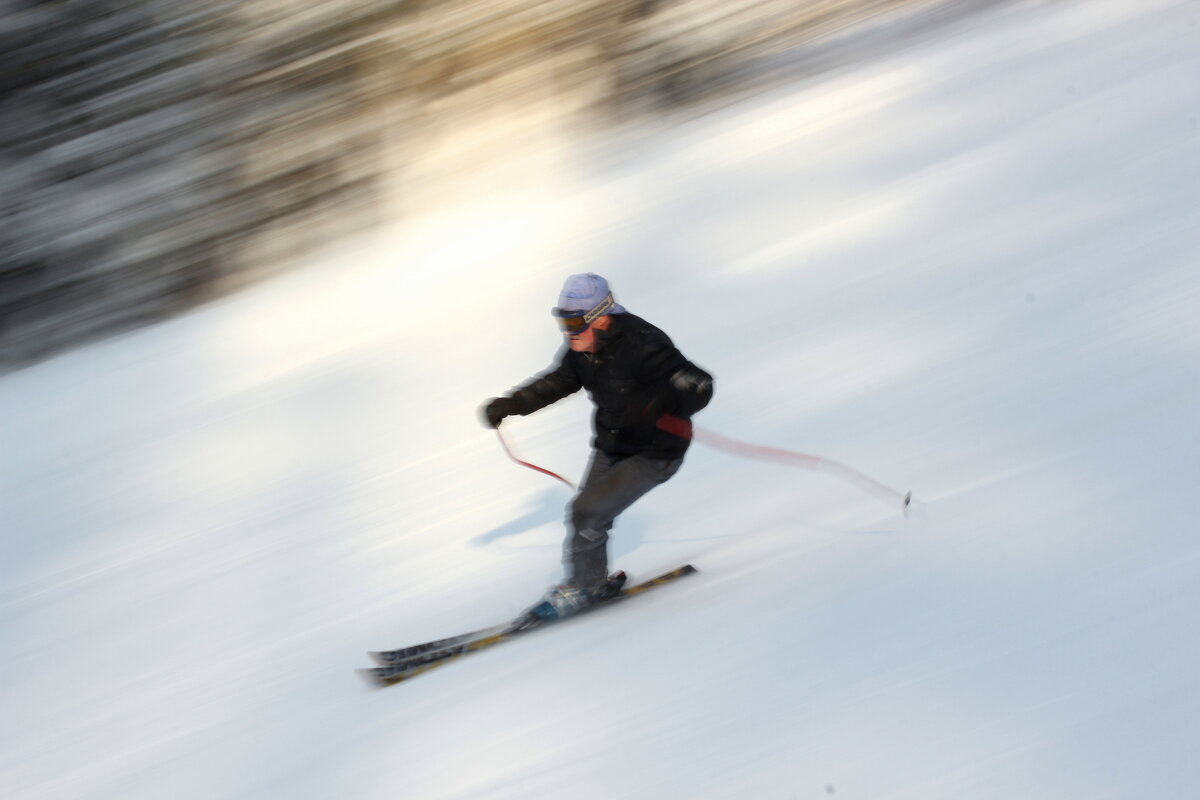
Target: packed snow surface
{"type": "Point", "coordinates": [969, 267]}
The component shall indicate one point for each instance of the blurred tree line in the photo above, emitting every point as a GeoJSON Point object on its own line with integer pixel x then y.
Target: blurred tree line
{"type": "Point", "coordinates": [154, 154]}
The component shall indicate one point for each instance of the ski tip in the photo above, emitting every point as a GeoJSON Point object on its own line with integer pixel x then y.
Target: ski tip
{"type": "Point", "coordinates": [371, 676]}
{"type": "Point", "coordinates": [377, 657]}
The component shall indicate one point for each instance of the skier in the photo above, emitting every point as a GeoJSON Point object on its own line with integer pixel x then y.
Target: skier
{"type": "Point", "coordinates": [645, 393]}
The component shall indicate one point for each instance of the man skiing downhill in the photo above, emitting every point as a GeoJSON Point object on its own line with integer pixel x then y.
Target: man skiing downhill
{"type": "Point", "coordinates": [645, 392]}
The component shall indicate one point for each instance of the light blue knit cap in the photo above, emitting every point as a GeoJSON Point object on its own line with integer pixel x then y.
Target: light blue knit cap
{"type": "Point", "coordinates": [585, 292]}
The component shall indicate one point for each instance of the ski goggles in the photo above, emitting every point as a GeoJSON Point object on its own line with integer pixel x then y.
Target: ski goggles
{"type": "Point", "coordinates": [574, 322]}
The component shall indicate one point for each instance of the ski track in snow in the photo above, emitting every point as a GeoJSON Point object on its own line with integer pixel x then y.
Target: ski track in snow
{"type": "Point", "coordinates": [968, 268]}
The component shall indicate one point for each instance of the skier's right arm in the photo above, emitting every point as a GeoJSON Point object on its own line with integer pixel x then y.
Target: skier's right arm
{"type": "Point", "coordinates": [549, 387]}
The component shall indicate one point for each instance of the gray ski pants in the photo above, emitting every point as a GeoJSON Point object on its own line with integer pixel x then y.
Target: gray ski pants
{"type": "Point", "coordinates": [611, 485]}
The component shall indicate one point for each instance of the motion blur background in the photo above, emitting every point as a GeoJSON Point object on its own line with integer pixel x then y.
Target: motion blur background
{"type": "Point", "coordinates": [156, 154]}
{"type": "Point", "coordinates": [950, 244]}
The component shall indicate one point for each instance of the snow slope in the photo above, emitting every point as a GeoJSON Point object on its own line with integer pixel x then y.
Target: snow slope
{"type": "Point", "coordinates": [969, 269]}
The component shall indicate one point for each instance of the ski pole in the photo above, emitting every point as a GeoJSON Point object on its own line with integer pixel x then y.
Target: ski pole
{"type": "Point", "coordinates": [542, 470]}
{"type": "Point", "coordinates": [681, 427]}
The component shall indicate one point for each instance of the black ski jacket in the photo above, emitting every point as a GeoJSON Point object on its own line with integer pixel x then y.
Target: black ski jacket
{"type": "Point", "coordinates": [635, 376]}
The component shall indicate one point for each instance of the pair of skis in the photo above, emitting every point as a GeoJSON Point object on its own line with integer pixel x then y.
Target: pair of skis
{"type": "Point", "coordinates": [396, 666]}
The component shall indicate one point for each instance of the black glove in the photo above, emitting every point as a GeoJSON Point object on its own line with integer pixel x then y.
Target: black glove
{"type": "Point", "coordinates": [694, 389]}
{"type": "Point", "coordinates": [496, 410]}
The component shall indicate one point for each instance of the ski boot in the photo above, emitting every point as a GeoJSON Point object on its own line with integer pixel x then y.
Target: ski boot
{"type": "Point", "coordinates": [568, 599]}
{"type": "Point", "coordinates": [612, 587]}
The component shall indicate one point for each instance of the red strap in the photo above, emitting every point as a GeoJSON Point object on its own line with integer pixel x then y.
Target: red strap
{"type": "Point", "coordinates": [683, 428]}
{"type": "Point", "coordinates": [676, 425]}
{"type": "Point", "coordinates": [504, 444]}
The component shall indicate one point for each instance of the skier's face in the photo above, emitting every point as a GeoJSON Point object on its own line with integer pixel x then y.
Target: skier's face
{"type": "Point", "coordinates": [585, 342]}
